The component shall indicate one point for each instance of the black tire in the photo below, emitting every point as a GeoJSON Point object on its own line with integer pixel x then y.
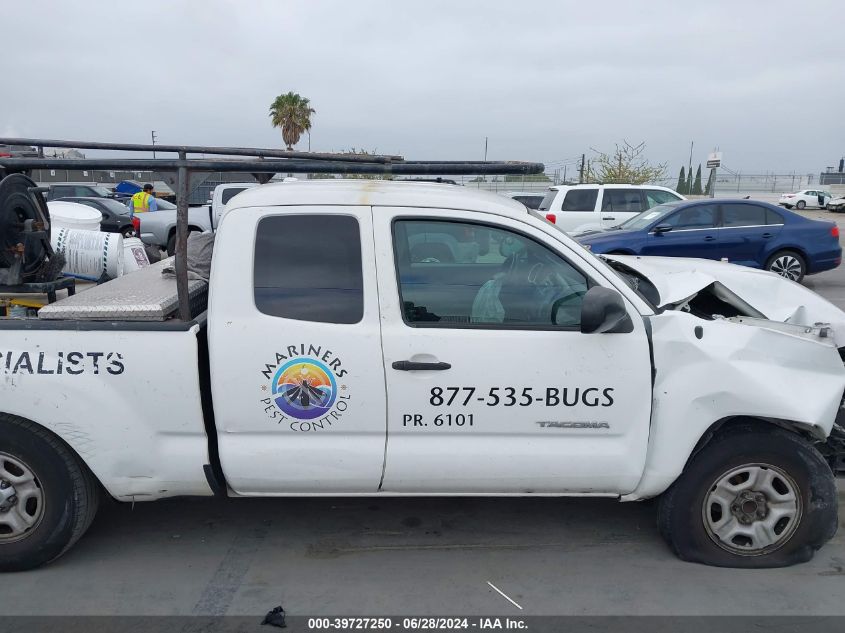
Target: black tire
{"type": "Point", "coordinates": [800, 205]}
{"type": "Point", "coordinates": [128, 231]}
{"type": "Point", "coordinates": [681, 509]}
{"type": "Point", "coordinates": [70, 495]}
{"type": "Point", "coordinates": [782, 263]}
{"type": "Point", "coordinates": [171, 243]}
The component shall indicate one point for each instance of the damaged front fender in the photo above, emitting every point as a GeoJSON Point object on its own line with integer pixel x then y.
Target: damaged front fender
{"type": "Point", "coordinates": [708, 371]}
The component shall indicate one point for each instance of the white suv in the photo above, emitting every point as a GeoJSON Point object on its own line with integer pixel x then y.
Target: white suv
{"type": "Point", "coordinates": [582, 207]}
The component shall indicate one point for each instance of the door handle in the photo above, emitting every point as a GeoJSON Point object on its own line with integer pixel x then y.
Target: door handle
{"type": "Point", "coordinates": [709, 238]}
{"type": "Point", "coordinates": [767, 235]}
{"type": "Point", "coordinates": [608, 218]}
{"type": "Point", "coordinates": [409, 365]}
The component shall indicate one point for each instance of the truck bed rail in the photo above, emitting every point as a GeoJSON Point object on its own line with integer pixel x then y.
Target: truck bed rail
{"type": "Point", "coordinates": [265, 161]}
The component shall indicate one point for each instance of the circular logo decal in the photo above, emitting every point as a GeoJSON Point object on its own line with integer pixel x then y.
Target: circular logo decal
{"type": "Point", "coordinates": [304, 389]}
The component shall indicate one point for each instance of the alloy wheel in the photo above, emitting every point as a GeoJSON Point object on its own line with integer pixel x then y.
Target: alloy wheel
{"type": "Point", "coordinates": [787, 266]}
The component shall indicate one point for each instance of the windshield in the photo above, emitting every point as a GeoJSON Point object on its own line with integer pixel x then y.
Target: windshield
{"type": "Point", "coordinates": [102, 191]}
{"type": "Point", "coordinates": [647, 218]}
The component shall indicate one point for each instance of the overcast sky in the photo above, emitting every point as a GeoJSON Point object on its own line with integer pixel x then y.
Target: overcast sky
{"type": "Point", "coordinates": [764, 81]}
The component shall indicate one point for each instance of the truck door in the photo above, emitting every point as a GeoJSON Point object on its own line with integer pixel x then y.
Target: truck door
{"type": "Point", "coordinates": [295, 352]}
{"type": "Point", "coordinates": [487, 392]}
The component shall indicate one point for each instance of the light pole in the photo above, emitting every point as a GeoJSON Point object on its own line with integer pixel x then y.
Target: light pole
{"type": "Point", "coordinates": [153, 137]}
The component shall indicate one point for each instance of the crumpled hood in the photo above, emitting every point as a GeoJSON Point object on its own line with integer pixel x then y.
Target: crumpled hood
{"type": "Point", "coordinates": [679, 278]}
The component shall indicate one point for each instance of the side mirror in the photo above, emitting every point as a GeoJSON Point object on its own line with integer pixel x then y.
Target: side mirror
{"type": "Point", "coordinates": [208, 202]}
{"type": "Point", "coordinates": [603, 310]}
{"type": "Point", "coordinates": [662, 228]}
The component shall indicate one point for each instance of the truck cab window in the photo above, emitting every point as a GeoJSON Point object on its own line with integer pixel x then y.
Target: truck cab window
{"type": "Point", "coordinates": [230, 193]}
{"type": "Point", "coordinates": [308, 267]}
{"type": "Point", "coordinates": [475, 275]}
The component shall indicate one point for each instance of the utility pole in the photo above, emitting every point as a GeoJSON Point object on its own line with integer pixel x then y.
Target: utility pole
{"type": "Point", "coordinates": [581, 169]}
{"type": "Point", "coordinates": [563, 182]}
{"type": "Point", "coordinates": [153, 136]}
{"type": "Point", "coordinates": [485, 149]}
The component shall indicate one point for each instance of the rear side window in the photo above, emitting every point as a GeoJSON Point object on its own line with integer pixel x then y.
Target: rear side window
{"type": "Point", "coordinates": [308, 267]}
{"type": "Point", "coordinates": [743, 215]}
{"type": "Point", "coordinates": [622, 200]}
{"type": "Point", "coordinates": [228, 194]}
{"type": "Point", "coordinates": [580, 200]}
{"type": "Point", "coordinates": [773, 217]}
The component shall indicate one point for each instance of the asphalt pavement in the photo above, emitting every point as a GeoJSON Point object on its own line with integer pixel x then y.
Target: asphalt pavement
{"type": "Point", "coordinates": [369, 556]}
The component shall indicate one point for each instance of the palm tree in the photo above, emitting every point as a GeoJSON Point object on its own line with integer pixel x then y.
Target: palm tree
{"type": "Point", "coordinates": [292, 113]}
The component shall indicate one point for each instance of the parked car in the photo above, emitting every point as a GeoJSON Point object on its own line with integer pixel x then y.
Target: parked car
{"type": "Point", "coordinates": [580, 207]}
{"type": "Point", "coordinates": [78, 190]}
{"type": "Point", "coordinates": [530, 199]}
{"type": "Point", "coordinates": [805, 198]}
{"type": "Point", "coordinates": [748, 233]}
{"type": "Point", "coordinates": [836, 204]}
{"type": "Point", "coordinates": [116, 218]}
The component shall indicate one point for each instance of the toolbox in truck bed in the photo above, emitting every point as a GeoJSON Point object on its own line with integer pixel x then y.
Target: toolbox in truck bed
{"type": "Point", "coordinates": [144, 295]}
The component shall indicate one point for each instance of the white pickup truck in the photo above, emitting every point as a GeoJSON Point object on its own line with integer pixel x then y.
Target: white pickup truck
{"type": "Point", "coordinates": [375, 338]}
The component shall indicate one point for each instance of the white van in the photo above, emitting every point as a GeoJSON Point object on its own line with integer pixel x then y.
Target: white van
{"type": "Point", "coordinates": [582, 207]}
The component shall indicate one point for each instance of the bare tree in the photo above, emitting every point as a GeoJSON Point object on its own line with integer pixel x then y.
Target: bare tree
{"type": "Point", "coordinates": [626, 165]}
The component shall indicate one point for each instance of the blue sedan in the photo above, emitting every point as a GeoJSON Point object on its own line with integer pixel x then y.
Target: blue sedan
{"type": "Point", "coordinates": [745, 232]}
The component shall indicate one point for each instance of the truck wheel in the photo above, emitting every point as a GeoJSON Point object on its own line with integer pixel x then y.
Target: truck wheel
{"type": "Point", "coordinates": [752, 498]}
{"type": "Point", "coordinates": [48, 498]}
{"type": "Point", "coordinates": [171, 243]}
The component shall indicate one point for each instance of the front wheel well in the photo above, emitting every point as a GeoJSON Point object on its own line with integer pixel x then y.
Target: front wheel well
{"type": "Point", "coordinates": [732, 423]}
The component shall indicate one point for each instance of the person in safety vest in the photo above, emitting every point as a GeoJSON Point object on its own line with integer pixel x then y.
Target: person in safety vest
{"type": "Point", "coordinates": [143, 201]}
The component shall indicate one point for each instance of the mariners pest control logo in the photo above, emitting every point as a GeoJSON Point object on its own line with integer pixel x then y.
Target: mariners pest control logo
{"type": "Point", "coordinates": [305, 391]}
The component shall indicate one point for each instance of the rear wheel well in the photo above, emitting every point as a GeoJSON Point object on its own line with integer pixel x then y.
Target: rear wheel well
{"type": "Point", "coordinates": [791, 249]}
{"type": "Point", "coordinates": [31, 424]}
{"type": "Point", "coordinates": [191, 228]}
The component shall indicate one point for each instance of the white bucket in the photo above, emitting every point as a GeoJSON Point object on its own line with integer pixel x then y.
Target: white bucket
{"type": "Point", "coordinates": [72, 215]}
{"type": "Point", "coordinates": [134, 255]}
{"type": "Point", "coordinates": [89, 254]}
